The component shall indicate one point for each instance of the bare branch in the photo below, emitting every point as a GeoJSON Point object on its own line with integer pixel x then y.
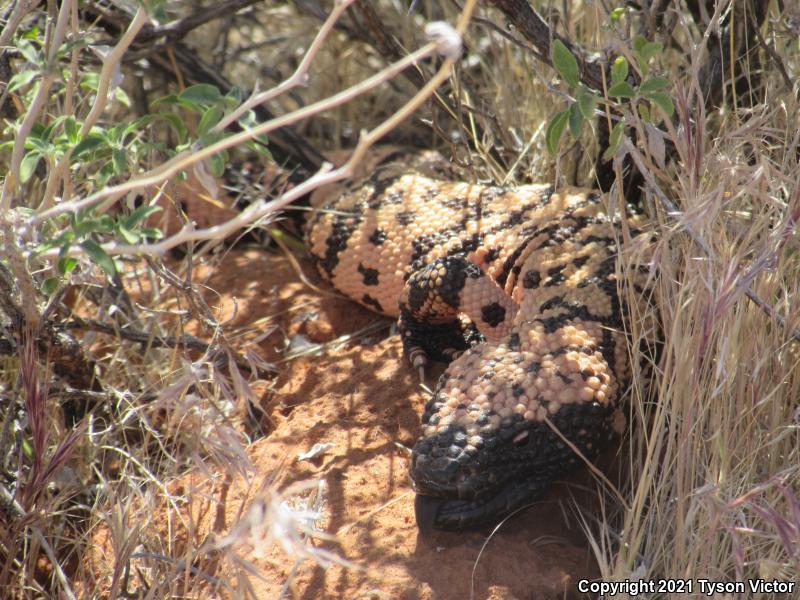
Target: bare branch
{"type": "Point", "coordinates": [188, 158]}
{"type": "Point", "coordinates": [299, 77]}
{"type": "Point", "coordinates": [538, 33]}
{"type": "Point", "coordinates": [186, 341]}
{"type": "Point", "coordinates": [21, 8]}
{"type": "Point", "coordinates": [111, 63]}
{"type": "Point", "coordinates": [42, 97]}
{"type": "Point", "coordinates": [179, 29]}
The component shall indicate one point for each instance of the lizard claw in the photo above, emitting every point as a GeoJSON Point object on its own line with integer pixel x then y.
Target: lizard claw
{"type": "Point", "coordinates": [418, 361]}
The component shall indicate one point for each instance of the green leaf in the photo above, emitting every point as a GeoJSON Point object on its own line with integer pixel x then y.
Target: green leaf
{"type": "Point", "coordinates": [99, 257]}
{"type": "Point", "coordinates": [140, 214]}
{"type": "Point", "coordinates": [248, 120]}
{"type": "Point", "coordinates": [25, 211]}
{"type": "Point", "coordinates": [172, 119]}
{"type": "Point", "coordinates": [210, 138]}
{"type": "Point", "coordinates": [200, 94]}
{"type": "Point", "coordinates": [216, 164]}
{"type": "Point", "coordinates": [614, 140]}
{"type": "Point", "coordinates": [650, 49]}
{"type": "Point", "coordinates": [64, 240]}
{"type": "Point", "coordinates": [644, 112]}
{"type": "Point", "coordinates": [50, 285]}
{"type": "Point", "coordinates": [210, 118]}
{"type": "Point", "coordinates": [587, 101]}
{"type": "Point", "coordinates": [233, 97]}
{"type": "Point", "coordinates": [260, 148]}
{"type": "Point", "coordinates": [29, 52]}
{"type": "Point", "coordinates": [664, 102]}
{"type": "Point", "coordinates": [575, 120]}
{"type": "Point", "coordinates": [105, 223]}
{"type": "Point", "coordinates": [654, 84]}
{"type": "Point", "coordinates": [167, 100]}
{"type": "Point", "coordinates": [80, 42]}
{"type": "Point", "coordinates": [151, 232]}
{"type": "Point", "coordinates": [34, 142]}
{"type": "Point", "coordinates": [83, 41]}
{"type": "Point", "coordinates": [644, 51]}
{"type": "Point", "coordinates": [90, 81]}
{"type": "Point", "coordinates": [37, 130]}
{"type": "Point", "coordinates": [177, 125]}
{"type": "Point", "coordinates": [66, 263]}
{"type": "Point", "coordinates": [622, 89]}
{"type": "Point", "coordinates": [32, 34]}
{"type": "Point", "coordinates": [565, 63]}
{"type": "Point", "coordinates": [289, 240]}
{"type": "Point", "coordinates": [619, 70]}
{"type": "Point", "coordinates": [122, 97]}
{"type": "Point", "coordinates": [104, 174]}
{"type": "Point", "coordinates": [48, 131]}
{"type": "Point", "coordinates": [27, 448]}
{"type": "Point", "coordinates": [91, 224]}
{"type": "Point", "coordinates": [617, 13]}
{"type": "Point", "coordinates": [129, 236]}
{"type": "Point", "coordinates": [21, 79]}
{"type": "Point", "coordinates": [555, 129]}
{"type": "Point", "coordinates": [71, 129]}
{"type": "Point", "coordinates": [84, 228]}
{"type": "Point", "coordinates": [116, 135]}
{"type": "Point", "coordinates": [140, 123]}
{"type": "Point", "coordinates": [28, 166]}
{"type": "Point", "coordinates": [89, 144]}
{"type": "Point", "coordinates": [120, 159]}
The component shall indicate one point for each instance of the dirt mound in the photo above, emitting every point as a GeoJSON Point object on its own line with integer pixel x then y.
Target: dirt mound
{"type": "Point", "coordinates": [364, 403]}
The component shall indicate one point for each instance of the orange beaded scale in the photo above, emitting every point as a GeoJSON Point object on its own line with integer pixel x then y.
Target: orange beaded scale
{"type": "Point", "coordinates": [542, 353]}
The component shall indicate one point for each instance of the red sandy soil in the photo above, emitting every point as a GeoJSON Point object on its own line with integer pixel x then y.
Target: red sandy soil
{"type": "Point", "coordinates": [362, 398]}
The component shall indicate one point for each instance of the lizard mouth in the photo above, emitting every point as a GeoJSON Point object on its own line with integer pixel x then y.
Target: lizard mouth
{"type": "Point", "coordinates": [462, 488]}
{"type": "Point", "coordinates": [452, 513]}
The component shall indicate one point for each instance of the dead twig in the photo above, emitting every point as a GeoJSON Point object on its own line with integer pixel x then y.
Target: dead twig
{"type": "Point", "coordinates": [184, 341]}
{"type": "Point", "coordinates": [177, 30]}
{"type": "Point", "coordinates": [538, 32]}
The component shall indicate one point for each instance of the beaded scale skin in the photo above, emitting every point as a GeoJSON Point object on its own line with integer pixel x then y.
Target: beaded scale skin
{"type": "Point", "coordinates": [542, 354]}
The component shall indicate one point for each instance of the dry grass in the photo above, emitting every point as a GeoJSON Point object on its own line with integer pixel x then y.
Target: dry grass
{"type": "Point", "coordinates": [712, 459]}
{"type": "Point", "coordinates": [712, 454]}
{"type": "Point", "coordinates": [714, 462]}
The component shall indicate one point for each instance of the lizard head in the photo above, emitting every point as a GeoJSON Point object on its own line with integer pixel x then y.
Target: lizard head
{"type": "Point", "coordinates": [497, 430]}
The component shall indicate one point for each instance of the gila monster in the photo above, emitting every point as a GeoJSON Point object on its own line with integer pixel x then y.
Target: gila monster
{"type": "Point", "coordinates": [516, 288]}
